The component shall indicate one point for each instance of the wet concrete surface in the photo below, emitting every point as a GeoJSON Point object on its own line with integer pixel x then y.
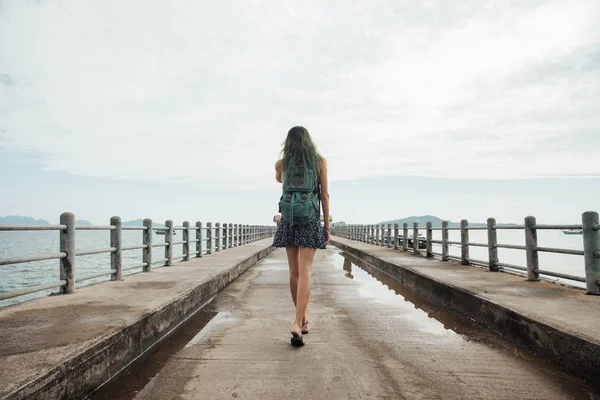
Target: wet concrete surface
{"type": "Point", "coordinates": [66, 346]}
{"type": "Point", "coordinates": [369, 338]}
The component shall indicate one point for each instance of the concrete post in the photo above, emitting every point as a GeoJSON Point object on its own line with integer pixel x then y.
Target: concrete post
{"type": "Point", "coordinates": [186, 240]}
{"type": "Point", "coordinates": [591, 251]}
{"type": "Point", "coordinates": [209, 235]}
{"type": "Point", "coordinates": [198, 239]}
{"type": "Point", "coordinates": [169, 241]}
{"type": "Point", "coordinates": [148, 237]}
{"type": "Point", "coordinates": [445, 249]}
{"type": "Point", "coordinates": [225, 235]}
{"type": "Point", "coordinates": [395, 236]}
{"type": "Point", "coordinates": [492, 243]}
{"type": "Point", "coordinates": [389, 236]}
{"type": "Point", "coordinates": [116, 257]}
{"type": "Point", "coordinates": [429, 240]}
{"type": "Point", "coordinates": [230, 236]}
{"type": "Point", "coordinates": [365, 234]}
{"type": "Point", "coordinates": [531, 250]}
{"type": "Point", "coordinates": [405, 234]}
{"type": "Point", "coordinates": [464, 242]}
{"type": "Point", "coordinates": [415, 238]}
{"type": "Point", "coordinates": [217, 236]}
{"type": "Point", "coordinates": [67, 245]}
{"type": "Point", "coordinates": [370, 234]}
{"type": "Point", "coordinates": [235, 235]}
{"type": "Point", "coordinates": [377, 235]}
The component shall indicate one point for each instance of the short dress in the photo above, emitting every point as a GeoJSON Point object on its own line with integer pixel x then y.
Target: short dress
{"type": "Point", "coordinates": [310, 235]}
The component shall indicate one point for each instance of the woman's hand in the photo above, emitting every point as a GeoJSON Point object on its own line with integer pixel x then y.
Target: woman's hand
{"type": "Point", "coordinates": [327, 236]}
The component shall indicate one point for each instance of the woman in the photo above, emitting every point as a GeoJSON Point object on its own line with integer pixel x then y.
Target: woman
{"type": "Point", "coordinates": [301, 241]}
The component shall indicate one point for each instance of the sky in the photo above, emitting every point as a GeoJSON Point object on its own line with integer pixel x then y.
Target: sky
{"type": "Point", "coordinates": [178, 111]}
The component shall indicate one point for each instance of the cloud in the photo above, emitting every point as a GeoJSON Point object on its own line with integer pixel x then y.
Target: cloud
{"type": "Point", "coordinates": [203, 93]}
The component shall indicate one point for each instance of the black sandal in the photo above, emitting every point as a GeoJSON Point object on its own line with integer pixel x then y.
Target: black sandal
{"type": "Point", "coordinates": [304, 332]}
{"type": "Point", "coordinates": [297, 340]}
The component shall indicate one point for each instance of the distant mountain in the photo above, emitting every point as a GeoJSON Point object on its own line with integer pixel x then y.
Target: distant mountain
{"type": "Point", "coordinates": [20, 220]}
{"type": "Point", "coordinates": [436, 222]}
{"type": "Point", "coordinates": [139, 222]}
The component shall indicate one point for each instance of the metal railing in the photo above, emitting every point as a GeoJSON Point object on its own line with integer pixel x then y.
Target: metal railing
{"type": "Point", "coordinates": [207, 239]}
{"type": "Point", "coordinates": [380, 236]}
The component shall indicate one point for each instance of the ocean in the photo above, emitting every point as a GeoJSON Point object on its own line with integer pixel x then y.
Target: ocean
{"type": "Point", "coordinates": [21, 243]}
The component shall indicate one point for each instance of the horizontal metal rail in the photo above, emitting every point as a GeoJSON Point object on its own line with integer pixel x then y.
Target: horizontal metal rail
{"type": "Point", "coordinates": [95, 228]}
{"type": "Point", "coordinates": [564, 276]}
{"type": "Point", "coordinates": [162, 260]}
{"type": "Point", "coordinates": [560, 251]}
{"type": "Point", "coordinates": [179, 257]}
{"type": "Point", "coordinates": [95, 275]}
{"type": "Point", "coordinates": [142, 265]}
{"type": "Point", "coordinates": [476, 261]}
{"type": "Point", "coordinates": [558, 227]}
{"type": "Point", "coordinates": [37, 257]}
{"type": "Point", "coordinates": [176, 243]}
{"type": "Point", "coordinates": [509, 227]}
{"type": "Point", "coordinates": [134, 228]}
{"type": "Point", "coordinates": [456, 243]}
{"type": "Point", "coordinates": [29, 290]}
{"type": "Point", "coordinates": [33, 227]}
{"type": "Point", "coordinates": [478, 244]}
{"type": "Point", "coordinates": [511, 266]}
{"type": "Point", "coordinates": [510, 246]}
{"type": "Point", "coordinates": [160, 245]}
{"type": "Point", "coordinates": [136, 247]}
{"type": "Point", "coordinates": [95, 251]}
{"type": "Point", "coordinates": [477, 228]}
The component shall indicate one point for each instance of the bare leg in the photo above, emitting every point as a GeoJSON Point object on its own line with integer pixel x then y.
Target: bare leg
{"type": "Point", "coordinates": [292, 254]}
{"type": "Point", "coordinates": [305, 261]}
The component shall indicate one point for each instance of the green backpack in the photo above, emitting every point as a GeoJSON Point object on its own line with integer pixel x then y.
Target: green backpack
{"type": "Point", "coordinates": [300, 204]}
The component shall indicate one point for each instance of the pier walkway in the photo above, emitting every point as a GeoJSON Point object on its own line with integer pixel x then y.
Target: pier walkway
{"type": "Point", "coordinates": [370, 338]}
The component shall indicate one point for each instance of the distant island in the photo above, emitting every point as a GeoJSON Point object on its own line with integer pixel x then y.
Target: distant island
{"type": "Point", "coordinates": [436, 222]}
{"type": "Point", "coordinates": [21, 220]}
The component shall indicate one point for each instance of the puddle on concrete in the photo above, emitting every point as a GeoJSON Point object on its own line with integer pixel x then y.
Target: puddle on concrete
{"type": "Point", "coordinates": [138, 374]}
{"type": "Point", "coordinates": [424, 313]}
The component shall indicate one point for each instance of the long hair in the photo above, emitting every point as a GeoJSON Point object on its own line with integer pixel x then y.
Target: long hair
{"type": "Point", "coordinates": [299, 148]}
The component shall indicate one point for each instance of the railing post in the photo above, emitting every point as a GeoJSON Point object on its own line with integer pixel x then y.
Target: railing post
{"type": "Point", "coordinates": [445, 250]}
{"type": "Point", "coordinates": [230, 235]}
{"type": "Point", "coordinates": [224, 242]}
{"type": "Point", "coordinates": [235, 235]}
{"type": "Point", "coordinates": [186, 240]}
{"type": "Point", "coordinates": [405, 239]}
{"type": "Point", "coordinates": [209, 232]}
{"type": "Point", "coordinates": [492, 244]}
{"type": "Point", "coordinates": [67, 245]}
{"type": "Point", "coordinates": [370, 241]}
{"type": "Point", "coordinates": [531, 249]}
{"type": "Point", "coordinates": [591, 251]}
{"type": "Point", "coordinates": [217, 236]}
{"type": "Point", "coordinates": [377, 235]}
{"type": "Point", "coordinates": [429, 239]}
{"type": "Point", "coordinates": [169, 241]}
{"type": "Point", "coordinates": [389, 236]}
{"type": "Point", "coordinates": [116, 257]}
{"type": "Point", "coordinates": [363, 233]}
{"type": "Point", "coordinates": [395, 236]}
{"type": "Point", "coordinates": [464, 242]}
{"type": "Point", "coordinates": [148, 235]}
{"type": "Point", "coordinates": [415, 238]}
{"type": "Point", "coordinates": [198, 239]}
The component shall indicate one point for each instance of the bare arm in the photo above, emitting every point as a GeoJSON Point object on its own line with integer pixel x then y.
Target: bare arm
{"type": "Point", "coordinates": [324, 191]}
{"type": "Point", "coordinates": [278, 170]}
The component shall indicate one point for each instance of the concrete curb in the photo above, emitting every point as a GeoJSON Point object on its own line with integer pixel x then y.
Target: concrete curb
{"type": "Point", "coordinates": [575, 354]}
{"type": "Point", "coordinates": [101, 360]}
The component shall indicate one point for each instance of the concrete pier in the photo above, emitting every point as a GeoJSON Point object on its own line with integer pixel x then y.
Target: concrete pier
{"type": "Point", "coordinates": [367, 340]}
{"type": "Point", "coordinates": [63, 347]}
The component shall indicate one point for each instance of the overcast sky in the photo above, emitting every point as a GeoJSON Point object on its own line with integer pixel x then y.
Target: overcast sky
{"type": "Point", "coordinates": [177, 109]}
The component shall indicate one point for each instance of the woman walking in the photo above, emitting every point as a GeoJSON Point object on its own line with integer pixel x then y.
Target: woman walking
{"type": "Point", "coordinates": [303, 173]}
